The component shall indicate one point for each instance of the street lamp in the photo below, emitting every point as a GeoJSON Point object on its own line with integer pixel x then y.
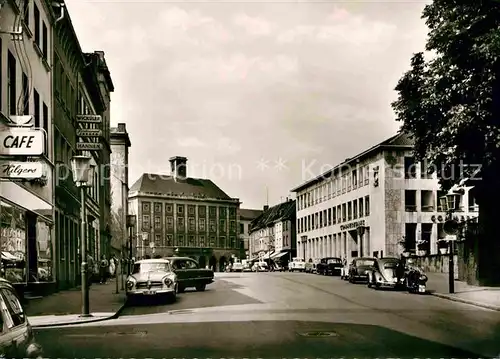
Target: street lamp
{"type": "Point", "coordinates": [81, 169]}
{"type": "Point", "coordinates": [450, 203]}
{"type": "Point", "coordinates": [131, 221]}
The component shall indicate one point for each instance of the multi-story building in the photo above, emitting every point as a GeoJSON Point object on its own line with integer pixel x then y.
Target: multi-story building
{"type": "Point", "coordinates": [246, 216]}
{"type": "Point", "coordinates": [186, 216]}
{"type": "Point", "coordinates": [81, 86]}
{"type": "Point", "coordinates": [273, 233]}
{"type": "Point", "coordinates": [26, 206]}
{"type": "Point", "coordinates": [377, 203]}
{"type": "Point", "coordinates": [120, 144]}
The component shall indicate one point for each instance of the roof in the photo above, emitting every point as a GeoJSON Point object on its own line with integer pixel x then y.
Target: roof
{"type": "Point", "coordinates": [150, 183]}
{"type": "Point", "coordinates": [250, 214]}
{"type": "Point", "coordinates": [397, 141]}
{"type": "Point", "coordinates": [282, 211]}
{"type": "Point", "coordinates": [156, 260]}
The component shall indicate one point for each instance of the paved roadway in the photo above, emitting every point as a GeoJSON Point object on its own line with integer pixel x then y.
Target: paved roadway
{"type": "Point", "coordinates": [279, 315]}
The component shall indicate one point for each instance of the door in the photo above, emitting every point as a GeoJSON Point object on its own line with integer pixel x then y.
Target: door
{"type": "Point", "coordinates": [193, 272]}
{"type": "Point", "coordinates": [179, 267]}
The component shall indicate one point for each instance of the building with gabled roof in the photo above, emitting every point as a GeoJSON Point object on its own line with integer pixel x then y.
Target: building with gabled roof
{"type": "Point", "coordinates": [246, 216]}
{"type": "Point", "coordinates": [187, 216]}
{"type": "Point", "coordinates": [273, 233]}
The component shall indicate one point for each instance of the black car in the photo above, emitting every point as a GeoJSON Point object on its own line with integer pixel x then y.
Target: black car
{"type": "Point", "coordinates": [189, 274]}
{"type": "Point", "coordinates": [361, 268]}
{"type": "Point", "coordinates": [329, 266]}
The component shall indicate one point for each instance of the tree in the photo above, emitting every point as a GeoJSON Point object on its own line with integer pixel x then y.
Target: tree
{"type": "Point", "coordinates": [450, 104]}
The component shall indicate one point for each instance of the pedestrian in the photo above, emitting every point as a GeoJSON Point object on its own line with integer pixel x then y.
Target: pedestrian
{"type": "Point", "coordinates": [103, 270]}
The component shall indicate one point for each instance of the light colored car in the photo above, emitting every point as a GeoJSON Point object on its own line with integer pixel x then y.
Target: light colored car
{"type": "Point", "coordinates": [152, 277]}
{"type": "Point", "coordinates": [297, 264]}
{"type": "Point", "coordinates": [237, 267]}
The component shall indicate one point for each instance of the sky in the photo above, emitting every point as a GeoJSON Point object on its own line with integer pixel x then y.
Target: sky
{"type": "Point", "coordinates": [260, 96]}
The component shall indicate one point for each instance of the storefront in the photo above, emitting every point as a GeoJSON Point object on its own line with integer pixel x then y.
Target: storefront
{"type": "Point", "coordinates": [25, 239]}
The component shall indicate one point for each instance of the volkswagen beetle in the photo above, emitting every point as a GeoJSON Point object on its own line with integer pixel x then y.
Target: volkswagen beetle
{"type": "Point", "coordinates": [152, 277]}
{"type": "Point", "coordinates": [384, 274]}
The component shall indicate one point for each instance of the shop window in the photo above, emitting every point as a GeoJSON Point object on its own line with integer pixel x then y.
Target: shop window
{"type": "Point", "coordinates": [44, 247]}
{"type": "Point", "coordinates": [13, 243]}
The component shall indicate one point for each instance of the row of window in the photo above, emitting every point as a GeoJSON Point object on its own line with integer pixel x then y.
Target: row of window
{"type": "Point", "coordinates": [181, 240]}
{"type": "Point", "coordinates": [335, 186]}
{"type": "Point", "coordinates": [180, 209]}
{"type": "Point", "coordinates": [180, 225]}
{"type": "Point", "coordinates": [40, 29]}
{"type": "Point", "coordinates": [429, 201]}
{"type": "Point", "coordinates": [342, 213]}
{"type": "Point", "coordinates": [40, 108]}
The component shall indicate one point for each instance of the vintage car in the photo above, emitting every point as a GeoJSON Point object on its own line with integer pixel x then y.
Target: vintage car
{"type": "Point", "coordinates": [297, 264]}
{"type": "Point", "coordinates": [189, 274]}
{"type": "Point", "coordinates": [237, 267]}
{"type": "Point", "coordinates": [329, 266]}
{"type": "Point", "coordinates": [384, 274]}
{"type": "Point", "coordinates": [152, 277]}
{"type": "Point", "coordinates": [16, 338]}
{"type": "Point", "coordinates": [360, 268]}
{"type": "Point", "coordinates": [311, 266]}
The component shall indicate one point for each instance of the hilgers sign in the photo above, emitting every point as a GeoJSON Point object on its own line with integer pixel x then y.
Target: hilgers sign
{"type": "Point", "coordinates": [352, 225]}
{"type": "Point", "coordinates": [21, 142]}
{"type": "Point", "coordinates": [21, 170]}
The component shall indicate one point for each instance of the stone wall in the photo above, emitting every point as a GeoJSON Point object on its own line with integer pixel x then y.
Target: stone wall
{"type": "Point", "coordinates": [437, 263]}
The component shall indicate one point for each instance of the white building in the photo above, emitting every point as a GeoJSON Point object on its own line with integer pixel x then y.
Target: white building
{"type": "Point", "coordinates": [120, 144]}
{"type": "Point", "coordinates": [273, 233]}
{"type": "Point", "coordinates": [373, 204]}
{"type": "Point", "coordinates": [245, 217]}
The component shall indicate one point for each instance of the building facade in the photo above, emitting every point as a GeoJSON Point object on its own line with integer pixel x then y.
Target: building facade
{"type": "Point", "coordinates": [81, 86]}
{"type": "Point", "coordinates": [120, 144]}
{"type": "Point", "coordinates": [186, 216]}
{"type": "Point", "coordinates": [246, 216]}
{"type": "Point", "coordinates": [273, 233]}
{"type": "Point", "coordinates": [377, 203]}
{"type": "Point", "coordinates": [27, 205]}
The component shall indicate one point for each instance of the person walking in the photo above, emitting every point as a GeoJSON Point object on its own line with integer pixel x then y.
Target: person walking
{"type": "Point", "coordinates": [103, 270]}
{"type": "Point", "coordinates": [90, 269]}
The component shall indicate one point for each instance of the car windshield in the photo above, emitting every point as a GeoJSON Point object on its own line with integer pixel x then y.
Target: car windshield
{"type": "Point", "coordinates": [333, 260]}
{"type": "Point", "coordinates": [391, 265]}
{"type": "Point", "coordinates": [151, 267]}
{"type": "Point", "coordinates": [365, 262]}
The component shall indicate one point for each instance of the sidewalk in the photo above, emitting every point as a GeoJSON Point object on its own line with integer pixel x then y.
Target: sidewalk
{"type": "Point", "coordinates": [64, 308]}
{"type": "Point", "coordinates": [486, 297]}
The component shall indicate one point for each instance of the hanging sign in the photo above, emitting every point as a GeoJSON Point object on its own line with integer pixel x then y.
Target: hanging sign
{"type": "Point", "coordinates": [88, 119]}
{"type": "Point", "coordinates": [21, 142]}
{"type": "Point", "coordinates": [88, 146]}
{"type": "Point", "coordinates": [88, 133]}
{"type": "Point", "coordinates": [21, 170]}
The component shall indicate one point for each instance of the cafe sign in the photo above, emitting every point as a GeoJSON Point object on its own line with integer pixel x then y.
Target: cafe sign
{"type": "Point", "coordinates": [21, 142]}
{"type": "Point", "coordinates": [352, 225]}
{"type": "Point", "coordinates": [21, 170]}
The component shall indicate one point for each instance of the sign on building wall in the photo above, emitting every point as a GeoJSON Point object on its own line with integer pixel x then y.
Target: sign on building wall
{"type": "Point", "coordinates": [89, 134]}
{"type": "Point", "coordinates": [21, 170]}
{"type": "Point", "coordinates": [16, 141]}
{"type": "Point", "coordinates": [352, 225]}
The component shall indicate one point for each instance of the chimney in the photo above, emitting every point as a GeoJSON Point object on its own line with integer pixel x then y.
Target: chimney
{"type": "Point", "coordinates": [178, 167]}
{"type": "Point", "coordinates": [122, 127]}
{"type": "Point", "coordinates": [266, 207]}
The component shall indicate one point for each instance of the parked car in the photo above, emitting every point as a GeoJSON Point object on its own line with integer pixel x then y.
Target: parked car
{"type": "Point", "coordinates": [360, 269]}
{"type": "Point", "coordinates": [260, 267]}
{"type": "Point", "coordinates": [297, 264]}
{"type": "Point", "coordinates": [152, 277]}
{"type": "Point", "coordinates": [329, 266]}
{"type": "Point", "coordinates": [384, 274]}
{"type": "Point", "coordinates": [16, 335]}
{"type": "Point", "coordinates": [189, 274]}
{"type": "Point", "coordinates": [237, 267]}
{"type": "Point", "coordinates": [311, 266]}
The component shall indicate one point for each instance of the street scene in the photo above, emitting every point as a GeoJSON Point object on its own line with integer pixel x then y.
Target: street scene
{"type": "Point", "coordinates": [269, 314]}
{"type": "Point", "coordinates": [249, 179]}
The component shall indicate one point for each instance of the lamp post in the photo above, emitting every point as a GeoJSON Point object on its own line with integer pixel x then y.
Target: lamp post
{"type": "Point", "coordinates": [131, 221]}
{"type": "Point", "coordinates": [450, 203]}
{"type": "Point", "coordinates": [81, 168]}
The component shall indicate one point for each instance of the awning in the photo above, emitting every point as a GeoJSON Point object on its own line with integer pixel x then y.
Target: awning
{"type": "Point", "coordinates": [266, 255]}
{"type": "Point", "coordinates": [279, 255]}
{"type": "Point", "coordinates": [9, 257]}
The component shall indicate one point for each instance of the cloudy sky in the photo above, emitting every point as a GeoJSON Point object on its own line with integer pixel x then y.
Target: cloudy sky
{"type": "Point", "coordinates": [256, 94]}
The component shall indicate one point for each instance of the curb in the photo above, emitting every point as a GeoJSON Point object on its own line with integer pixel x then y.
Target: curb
{"type": "Point", "coordinates": [53, 325]}
{"type": "Point", "coordinates": [466, 301]}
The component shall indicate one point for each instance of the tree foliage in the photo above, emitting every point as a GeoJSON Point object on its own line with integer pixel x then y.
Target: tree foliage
{"type": "Point", "coordinates": [450, 103]}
